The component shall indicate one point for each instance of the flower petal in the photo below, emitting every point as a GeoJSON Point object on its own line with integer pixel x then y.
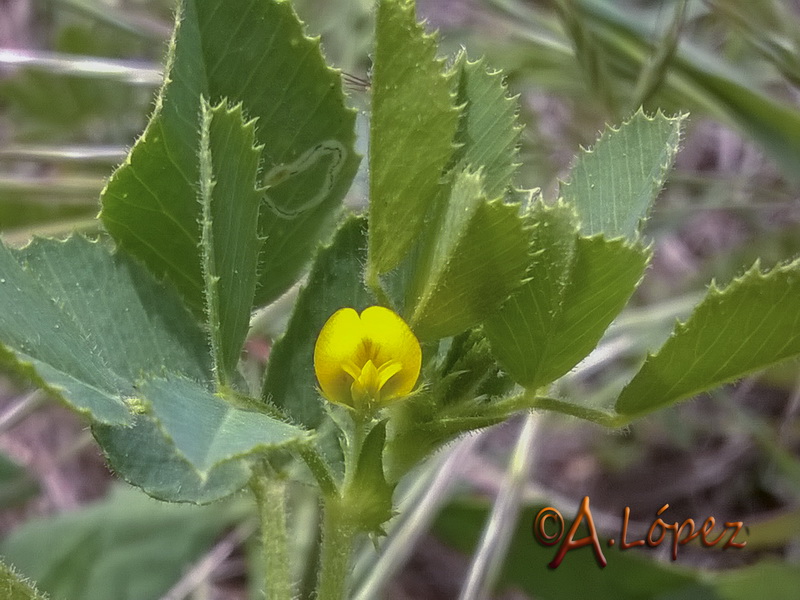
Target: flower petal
{"type": "Point", "coordinates": [391, 339]}
{"type": "Point", "coordinates": [372, 357]}
{"type": "Point", "coordinates": [339, 341]}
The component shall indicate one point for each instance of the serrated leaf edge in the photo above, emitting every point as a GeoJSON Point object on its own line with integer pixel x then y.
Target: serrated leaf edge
{"type": "Point", "coordinates": [205, 197]}
{"type": "Point", "coordinates": [376, 267]}
{"type": "Point", "coordinates": [754, 273]}
{"type": "Point", "coordinates": [462, 61]}
{"type": "Point", "coordinates": [657, 182]}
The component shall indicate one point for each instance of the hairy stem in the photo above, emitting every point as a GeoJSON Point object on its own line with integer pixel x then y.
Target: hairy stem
{"type": "Point", "coordinates": [338, 535]}
{"type": "Point", "coordinates": [529, 399]}
{"type": "Point", "coordinates": [270, 493]}
{"type": "Point", "coordinates": [319, 469]}
{"type": "Point", "coordinates": [340, 523]}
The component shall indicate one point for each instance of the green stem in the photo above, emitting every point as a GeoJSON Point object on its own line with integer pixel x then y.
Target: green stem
{"type": "Point", "coordinates": [270, 493]}
{"type": "Point", "coordinates": [528, 400]}
{"type": "Point", "coordinates": [319, 468]}
{"type": "Point", "coordinates": [339, 525]}
{"type": "Point", "coordinates": [338, 535]}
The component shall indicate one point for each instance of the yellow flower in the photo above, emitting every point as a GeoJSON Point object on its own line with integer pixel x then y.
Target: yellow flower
{"type": "Point", "coordinates": [368, 360]}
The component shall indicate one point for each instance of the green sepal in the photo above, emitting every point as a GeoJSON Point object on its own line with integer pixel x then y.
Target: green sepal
{"type": "Point", "coordinates": [463, 384]}
{"type": "Point", "coordinates": [369, 493]}
{"type": "Point", "coordinates": [469, 371]}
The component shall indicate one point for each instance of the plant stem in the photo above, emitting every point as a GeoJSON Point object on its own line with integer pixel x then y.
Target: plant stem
{"type": "Point", "coordinates": [339, 523]}
{"type": "Point", "coordinates": [338, 534]}
{"type": "Point", "coordinates": [355, 443]}
{"type": "Point", "coordinates": [319, 468]}
{"type": "Point", "coordinates": [270, 493]}
{"type": "Point", "coordinates": [416, 512]}
{"type": "Point", "coordinates": [529, 399]}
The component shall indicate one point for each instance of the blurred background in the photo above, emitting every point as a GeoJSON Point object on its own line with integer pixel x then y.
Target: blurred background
{"type": "Point", "coordinates": [77, 82]}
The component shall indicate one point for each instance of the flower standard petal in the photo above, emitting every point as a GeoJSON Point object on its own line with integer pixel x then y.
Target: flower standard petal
{"type": "Point", "coordinates": [339, 341]}
{"type": "Point", "coordinates": [393, 340]}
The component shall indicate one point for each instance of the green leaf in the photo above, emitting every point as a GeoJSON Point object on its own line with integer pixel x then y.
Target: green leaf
{"type": "Point", "coordinates": [613, 185]}
{"type": "Point", "coordinates": [208, 429]}
{"type": "Point", "coordinates": [229, 244]}
{"type": "Point", "coordinates": [16, 485]}
{"type": "Point", "coordinates": [191, 443]}
{"type": "Point", "coordinates": [14, 587]}
{"type": "Point", "coordinates": [576, 286]}
{"type": "Point", "coordinates": [143, 455]}
{"type": "Point", "coordinates": [488, 132]}
{"type": "Point", "coordinates": [150, 204]}
{"type": "Point", "coordinates": [98, 331]}
{"type": "Point", "coordinates": [414, 119]}
{"type": "Point", "coordinates": [335, 282]}
{"type": "Point", "coordinates": [87, 325]}
{"type": "Point", "coordinates": [126, 546]}
{"type": "Point", "coordinates": [476, 258]}
{"type": "Point", "coordinates": [751, 324]}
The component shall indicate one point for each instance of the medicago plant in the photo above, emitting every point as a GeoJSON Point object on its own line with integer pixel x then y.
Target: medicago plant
{"type": "Point", "coordinates": [453, 303]}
